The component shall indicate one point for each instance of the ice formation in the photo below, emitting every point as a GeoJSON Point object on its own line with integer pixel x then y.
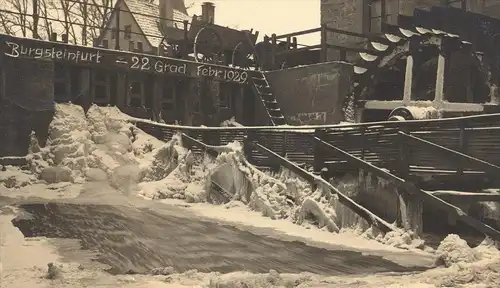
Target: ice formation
{"type": "Point", "coordinates": [99, 143]}
{"type": "Point", "coordinates": [102, 146]}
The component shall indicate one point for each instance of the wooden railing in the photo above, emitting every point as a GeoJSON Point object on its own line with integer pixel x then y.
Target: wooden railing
{"type": "Point", "coordinates": [411, 190]}
{"type": "Point", "coordinates": [388, 150]}
{"type": "Point", "coordinates": [364, 213]}
{"type": "Point", "coordinates": [290, 45]}
{"type": "Point", "coordinates": [377, 143]}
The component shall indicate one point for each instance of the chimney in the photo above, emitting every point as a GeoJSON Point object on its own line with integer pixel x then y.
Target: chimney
{"type": "Point", "coordinates": [166, 14]}
{"type": "Point", "coordinates": [208, 12]}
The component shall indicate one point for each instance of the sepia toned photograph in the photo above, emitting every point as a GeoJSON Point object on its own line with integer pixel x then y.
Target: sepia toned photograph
{"type": "Point", "coordinates": [250, 143]}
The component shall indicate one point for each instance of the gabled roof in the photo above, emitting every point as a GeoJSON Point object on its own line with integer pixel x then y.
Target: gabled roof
{"type": "Point", "coordinates": [150, 26]}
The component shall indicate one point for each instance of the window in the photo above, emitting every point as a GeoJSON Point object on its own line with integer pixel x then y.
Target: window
{"type": "Point", "coordinates": [61, 88]}
{"type": "Point", "coordinates": [136, 93]}
{"type": "Point", "coordinates": [168, 91]}
{"type": "Point", "coordinates": [168, 96]}
{"type": "Point", "coordinates": [113, 33]}
{"type": "Point", "coordinates": [378, 12]}
{"type": "Point", "coordinates": [128, 32]}
{"type": "Point", "coordinates": [101, 87]}
{"type": "Point", "coordinates": [462, 4]}
{"type": "Point", "coordinates": [226, 90]}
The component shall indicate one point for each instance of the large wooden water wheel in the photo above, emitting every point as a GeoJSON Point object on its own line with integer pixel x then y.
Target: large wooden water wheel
{"type": "Point", "coordinates": [208, 46]}
{"type": "Point", "coordinates": [244, 56]}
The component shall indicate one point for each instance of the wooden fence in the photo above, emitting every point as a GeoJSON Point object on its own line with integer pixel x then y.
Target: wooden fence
{"type": "Point", "coordinates": [378, 143]}
{"type": "Point", "coordinates": [394, 151]}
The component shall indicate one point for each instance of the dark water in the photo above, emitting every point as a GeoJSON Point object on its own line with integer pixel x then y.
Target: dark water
{"type": "Point", "coordinates": [137, 240]}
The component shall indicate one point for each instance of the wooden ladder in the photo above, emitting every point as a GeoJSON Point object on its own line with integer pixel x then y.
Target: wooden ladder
{"type": "Point", "coordinates": [262, 88]}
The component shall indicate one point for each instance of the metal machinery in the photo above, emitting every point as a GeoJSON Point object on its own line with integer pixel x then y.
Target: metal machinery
{"type": "Point", "coordinates": [215, 44]}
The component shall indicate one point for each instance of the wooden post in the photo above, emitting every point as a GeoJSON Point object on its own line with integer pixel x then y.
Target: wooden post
{"type": "Point", "coordinates": [324, 43]}
{"type": "Point", "coordinates": [319, 159]}
{"type": "Point", "coordinates": [363, 144]}
{"type": "Point", "coordinates": [383, 14]}
{"type": "Point", "coordinates": [288, 46]}
{"type": "Point", "coordinates": [248, 147]}
{"type": "Point", "coordinates": [185, 44]}
{"type": "Point", "coordinates": [440, 74]}
{"type": "Point", "coordinates": [408, 79]}
{"type": "Point", "coordinates": [462, 146]}
{"type": "Point", "coordinates": [2, 77]}
{"type": "Point", "coordinates": [157, 96]}
{"type": "Point", "coordinates": [86, 88]}
{"type": "Point", "coordinates": [117, 30]}
{"type": "Point", "coordinates": [410, 208]}
{"type": "Point", "coordinates": [409, 74]}
{"type": "Point", "coordinates": [284, 149]}
{"type": "Point", "coordinates": [273, 51]}
{"type": "Point", "coordinates": [121, 89]}
{"type": "Point", "coordinates": [343, 55]}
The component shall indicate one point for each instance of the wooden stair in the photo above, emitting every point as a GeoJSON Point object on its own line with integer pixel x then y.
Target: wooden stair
{"type": "Point", "coordinates": [261, 88]}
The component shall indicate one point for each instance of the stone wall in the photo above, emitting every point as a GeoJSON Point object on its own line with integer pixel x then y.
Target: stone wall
{"type": "Point", "coordinates": [310, 94]}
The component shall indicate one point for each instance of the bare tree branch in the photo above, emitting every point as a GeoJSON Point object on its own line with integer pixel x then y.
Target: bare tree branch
{"type": "Point", "coordinates": [81, 20]}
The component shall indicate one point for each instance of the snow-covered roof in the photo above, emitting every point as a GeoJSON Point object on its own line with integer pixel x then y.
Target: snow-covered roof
{"type": "Point", "coordinates": [150, 25]}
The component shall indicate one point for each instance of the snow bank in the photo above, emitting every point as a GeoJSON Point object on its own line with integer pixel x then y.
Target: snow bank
{"type": "Point", "coordinates": [80, 145]}
{"type": "Point", "coordinates": [231, 178]}
{"type": "Point", "coordinates": [465, 266]}
{"type": "Point", "coordinates": [454, 250]}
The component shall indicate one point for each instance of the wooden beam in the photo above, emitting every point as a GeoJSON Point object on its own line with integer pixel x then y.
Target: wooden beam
{"type": "Point", "coordinates": [298, 33]}
{"type": "Point", "coordinates": [352, 49]}
{"type": "Point", "coordinates": [466, 196]}
{"type": "Point", "coordinates": [310, 178]}
{"type": "Point", "coordinates": [412, 189]}
{"type": "Point", "coordinates": [371, 218]}
{"type": "Point", "coordinates": [292, 51]}
{"type": "Point", "coordinates": [446, 106]}
{"type": "Point", "coordinates": [443, 55]}
{"type": "Point", "coordinates": [209, 149]}
{"type": "Point", "coordinates": [348, 33]}
{"type": "Point", "coordinates": [482, 165]}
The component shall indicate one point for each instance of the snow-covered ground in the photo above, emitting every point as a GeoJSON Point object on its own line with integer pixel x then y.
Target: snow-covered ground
{"type": "Point", "coordinates": [85, 154]}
